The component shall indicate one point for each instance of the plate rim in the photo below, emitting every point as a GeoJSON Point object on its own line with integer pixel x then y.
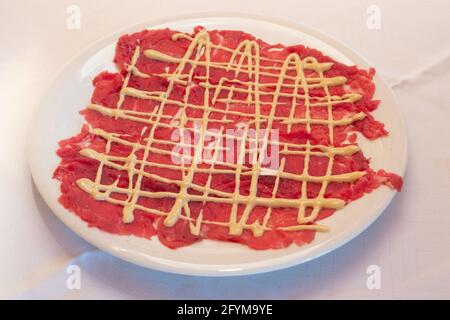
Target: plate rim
{"type": "Point", "coordinates": [188, 268]}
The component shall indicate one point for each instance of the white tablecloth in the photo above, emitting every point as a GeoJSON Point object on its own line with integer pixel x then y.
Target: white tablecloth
{"type": "Point", "coordinates": [410, 243]}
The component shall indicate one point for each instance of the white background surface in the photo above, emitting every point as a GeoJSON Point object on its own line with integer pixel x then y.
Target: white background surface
{"type": "Point", "coordinates": [410, 242]}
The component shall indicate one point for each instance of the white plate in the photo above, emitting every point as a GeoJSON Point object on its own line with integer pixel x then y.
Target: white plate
{"type": "Point", "coordinates": [57, 117]}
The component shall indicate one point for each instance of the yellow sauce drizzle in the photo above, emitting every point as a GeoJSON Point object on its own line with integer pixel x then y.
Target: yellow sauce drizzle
{"type": "Point", "coordinates": [248, 60]}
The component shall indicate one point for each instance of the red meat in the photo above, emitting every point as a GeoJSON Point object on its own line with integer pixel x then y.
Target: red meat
{"type": "Point", "coordinates": [108, 216]}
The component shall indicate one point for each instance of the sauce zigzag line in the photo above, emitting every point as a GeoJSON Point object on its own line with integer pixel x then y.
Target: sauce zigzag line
{"type": "Point", "coordinates": [249, 62]}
